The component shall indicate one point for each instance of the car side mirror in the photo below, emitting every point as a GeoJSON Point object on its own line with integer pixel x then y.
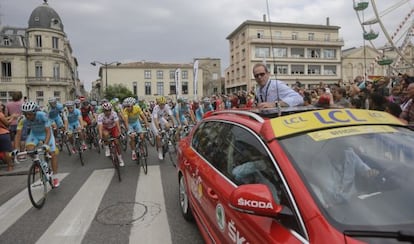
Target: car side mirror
{"type": "Point", "coordinates": [256, 199]}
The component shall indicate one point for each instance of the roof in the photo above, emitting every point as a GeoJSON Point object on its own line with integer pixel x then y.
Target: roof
{"type": "Point", "coordinates": [45, 17]}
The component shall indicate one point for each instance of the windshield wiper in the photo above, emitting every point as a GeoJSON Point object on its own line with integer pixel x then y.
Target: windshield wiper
{"type": "Point", "coordinates": [401, 235]}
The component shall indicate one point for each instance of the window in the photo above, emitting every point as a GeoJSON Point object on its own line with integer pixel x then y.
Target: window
{"type": "Point", "coordinates": [330, 70]}
{"type": "Point", "coordinates": [4, 97]}
{"type": "Point", "coordinates": [39, 98]}
{"type": "Point", "coordinates": [329, 53]}
{"type": "Point", "coordinates": [314, 53]}
{"type": "Point", "coordinates": [160, 88]}
{"type": "Point", "coordinates": [260, 34]}
{"type": "Point", "coordinates": [173, 90]}
{"type": "Point", "coordinates": [134, 88]}
{"type": "Point", "coordinates": [281, 69]}
{"type": "Point", "coordinates": [147, 74]}
{"type": "Point", "coordinates": [262, 52]}
{"type": "Point", "coordinates": [57, 95]}
{"type": "Point", "coordinates": [6, 41]}
{"type": "Point", "coordinates": [297, 52]}
{"type": "Point", "coordinates": [298, 69]}
{"type": "Point", "coordinates": [6, 70]}
{"type": "Point", "coordinates": [147, 88]}
{"type": "Point", "coordinates": [160, 74]}
{"type": "Point", "coordinates": [311, 36]}
{"type": "Point", "coordinates": [56, 71]}
{"type": "Point", "coordinates": [55, 42]}
{"type": "Point", "coordinates": [280, 52]}
{"type": "Point", "coordinates": [294, 35]}
{"type": "Point", "coordinates": [38, 70]}
{"type": "Point", "coordinates": [314, 70]}
{"type": "Point", "coordinates": [38, 40]}
{"type": "Point", "coordinates": [172, 74]}
{"type": "Point", "coordinates": [184, 74]}
{"type": "Point", "coordinates": [185, 87]}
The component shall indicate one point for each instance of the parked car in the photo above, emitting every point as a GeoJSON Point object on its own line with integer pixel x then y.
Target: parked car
{"type": "Point", "coordinates": [299, 175]}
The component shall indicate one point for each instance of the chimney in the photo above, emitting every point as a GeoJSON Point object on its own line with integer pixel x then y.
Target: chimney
{"type": "Point", "coordinates": [264, 18]}
{"type": "Point", "coordinates": [327, 21]}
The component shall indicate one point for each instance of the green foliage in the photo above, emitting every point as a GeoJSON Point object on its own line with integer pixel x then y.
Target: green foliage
{"type": "Point", "coordinates": [119, 91]}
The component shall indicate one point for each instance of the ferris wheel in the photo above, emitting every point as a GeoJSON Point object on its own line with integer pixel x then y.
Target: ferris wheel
{"type": "Point", "coordinates": [388, 26]}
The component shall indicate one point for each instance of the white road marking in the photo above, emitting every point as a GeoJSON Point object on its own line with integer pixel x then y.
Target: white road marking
{"type": "Point", "coordinates": [14, 208]}
{"type": "Point", "coordinates": [74, 221]}
{"type": "Point", "coordinates": [151, 226]}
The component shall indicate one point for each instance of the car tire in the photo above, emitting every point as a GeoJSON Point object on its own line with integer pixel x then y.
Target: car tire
{"type": "Point", "coordinates": [184, 202]}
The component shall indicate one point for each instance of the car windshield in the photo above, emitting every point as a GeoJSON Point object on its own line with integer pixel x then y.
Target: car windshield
{"type": "Point", "coordinates": [360, 175]}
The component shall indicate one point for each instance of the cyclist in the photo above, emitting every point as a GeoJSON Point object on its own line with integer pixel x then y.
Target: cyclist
{"type": "Point", "coordinates": [145, 108]}
{"type": "Point", "coordinates": [55, 111]}
{"type": "Point", "coordinates": [133, 113]}
{"type": "Point", "coordinates": [108, 124]}
{"type": "Point", "coordinates": [159, 121]}
{"type": "Point", "coordinates": [74, 122]}
{"type": "Point", "coordinates": [182, 111]}
{"type": "Point", "coordinates": [207, 105]}
{"type": "Point", "coordinates": [40, 132]}
{"type": "Point", "coordinates": [77, 103]}
{"type": "Point", "coordinates": [197, 110]}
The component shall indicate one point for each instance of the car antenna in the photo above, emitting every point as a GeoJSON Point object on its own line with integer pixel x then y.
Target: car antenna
{"type": "Point", "coordinates": [273, 58]}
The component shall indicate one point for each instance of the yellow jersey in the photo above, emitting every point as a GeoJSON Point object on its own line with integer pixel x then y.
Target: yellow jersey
{"type": "Point", "coordinates": [133, 115]}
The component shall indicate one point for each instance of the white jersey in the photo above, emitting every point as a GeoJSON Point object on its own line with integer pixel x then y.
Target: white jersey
{"type": "Point", "coordinates": [158, 113]}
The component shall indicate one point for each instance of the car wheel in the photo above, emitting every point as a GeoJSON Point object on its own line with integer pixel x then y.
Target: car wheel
{"type": "Point", "coordinates": [184, 203]}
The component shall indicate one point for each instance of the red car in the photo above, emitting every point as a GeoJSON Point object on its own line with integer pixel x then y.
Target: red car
{"type": "Point", "coordinates": [299, 175]}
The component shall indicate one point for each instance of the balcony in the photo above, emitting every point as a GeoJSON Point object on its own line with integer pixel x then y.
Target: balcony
{"type": "Point", "coordinates": [49, 81]}
{"type": "Point", "coordinates": [287, 40]}
{"type": "Point", "coordinates": [6, 79]}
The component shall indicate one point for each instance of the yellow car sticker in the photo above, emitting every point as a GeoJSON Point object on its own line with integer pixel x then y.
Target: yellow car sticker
{"type": "Point", "coordinates": [349, 131]}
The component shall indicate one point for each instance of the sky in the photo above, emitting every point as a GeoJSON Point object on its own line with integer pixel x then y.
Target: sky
{"type": "Point", "coordinates": [177, 31]}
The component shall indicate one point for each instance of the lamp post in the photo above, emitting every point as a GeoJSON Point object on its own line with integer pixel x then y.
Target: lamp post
{"type": "Point", "coordinates": [105, 64]}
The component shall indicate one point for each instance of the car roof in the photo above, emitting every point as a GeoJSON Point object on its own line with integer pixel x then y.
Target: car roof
{"type": "Point", "coordinates": [298, 120]}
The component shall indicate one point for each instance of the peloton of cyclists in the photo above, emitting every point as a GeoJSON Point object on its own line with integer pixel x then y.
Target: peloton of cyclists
{"type": "Point", "coordinates": [74, 122]}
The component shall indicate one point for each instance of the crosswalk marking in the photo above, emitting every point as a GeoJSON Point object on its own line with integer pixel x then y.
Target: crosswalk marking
{"type": "Point", "coordinates": [74, 221]}
{"type": "Point", "coordinates": [150, 193]}
{"type": "Point", "coordinates": [14, 208]}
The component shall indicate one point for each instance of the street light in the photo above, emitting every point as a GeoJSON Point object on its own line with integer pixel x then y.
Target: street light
{"type": "Point", "coordinates": [105, 64]}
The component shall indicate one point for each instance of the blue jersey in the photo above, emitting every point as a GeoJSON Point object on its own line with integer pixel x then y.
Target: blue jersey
{"type": "Point", "coordinates": [73, 117]}
{"type": "Point", "coordinates": [37, 126]}
{"type": "Point", "coordinates": [55, 111]}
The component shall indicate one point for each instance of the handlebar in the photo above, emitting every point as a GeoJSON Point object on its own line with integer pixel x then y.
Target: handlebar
{"type": "Point", "coordinates": [21, 156]}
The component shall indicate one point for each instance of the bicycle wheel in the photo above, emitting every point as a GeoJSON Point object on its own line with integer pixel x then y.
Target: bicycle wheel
{"type": "Point", "coordinates": [78, 147]}
{"type": "Point", "coordinates": [124, 139]}
{"type": "Point", "coordinates": [96, 144]}
{"type": "Point", "coordinates": [150, 137]}
{"type": "Point", "coordinates": [115, 161]}
{"type": "Point", "coordinates": [172, 152]}
{"type": "Point", "coordinates": [142, 156]}
{"type": "Point", "coordinates": [36, 186]}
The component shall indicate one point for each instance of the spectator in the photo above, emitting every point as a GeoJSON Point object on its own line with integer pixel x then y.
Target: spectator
{"type": "Point", "coordinates": [408, 109]}
{"type": "Point", "coordinates": [340, 98]}
{"type": "Point", "coordinates": [14, 107]}
{"type": "Point", "coordinates": [5, 142]}
{"type": "Point", "coordinates": [272, 92]}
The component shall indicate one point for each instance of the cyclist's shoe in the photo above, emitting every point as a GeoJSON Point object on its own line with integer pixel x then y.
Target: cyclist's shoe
{"type": "Point", "coordinates": [73, 150]}
{"type": "Point", "coordinates": [160, 156]}
{"type": "Point", "coordinates": [121, 161]}
{"type": "Point", "coordinates": [55, 182]}
{"type": "Point", "coordinates": [84, 147]}
{"type": "Point", "coordinates": [134, 156]}
{"type": "Point", "coordinates": [107, 152]}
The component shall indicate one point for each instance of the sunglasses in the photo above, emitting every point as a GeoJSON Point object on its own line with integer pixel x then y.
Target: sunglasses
{"type": "Point", "coordinates": [259, 75]}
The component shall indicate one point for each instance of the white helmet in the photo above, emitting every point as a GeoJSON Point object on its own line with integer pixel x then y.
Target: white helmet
{"type": "Point", "coordinates": [130, 101]}
{"type": "Point", "coordinates": [29, 107]}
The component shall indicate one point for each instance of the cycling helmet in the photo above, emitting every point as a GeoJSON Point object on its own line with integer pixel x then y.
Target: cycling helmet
{"type": "Point", "coordinates": [94, 103]}
{"type": "Point", "coordinates": [129, 101]}
{"type": "Point", "coordinates": [114, 101]}
{"type": "Point", "coordinates": [77, 101]}
{"type": "Point", "coordinates": [52, 100]}
{"type": "Point", "coordinates": [69, 104]}
{"type": "Point", "coordinates": [85, 103]}
{"type": "Point", "coordinates": [107, 106]}
{"type": "Point", "coordinates": [161, 100]}
{"type": "Point", "coordinates": [82, 99]}
{"type": "Point", "coordinates": [104, 100]}
{"type": "Point", "coordinates": [29, 107]}
{"type": "Point", "coordinates": [206, 100]}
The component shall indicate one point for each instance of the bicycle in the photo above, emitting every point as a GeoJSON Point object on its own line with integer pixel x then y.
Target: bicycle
{"type": "Point", "coordinates": [78, 146]}
{"type": "Point", "coordinates": [169, 144]}
{"type": "Point", "coordinates": [149, 136]}
{"type": "Point", "coordinates": [124, 138]}
{"type": "Point", "coordinates": [141, 150]}
{"type": "Point", "coordinates": [39, 175]}
{"type": "Point", "coordinates": [62, 141]}
{"type": "Point", "coordinates": [92, 137]}
{"type": "Point", "coordinates": [114, 156]}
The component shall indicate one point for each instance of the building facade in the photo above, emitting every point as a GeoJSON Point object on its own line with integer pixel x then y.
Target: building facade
{"type": "Point", "coordinates": [147, 80]}
{"type": "Point", "coordinates": [292, 52]}
{"type": "Point", "coordinates": [38, 60]}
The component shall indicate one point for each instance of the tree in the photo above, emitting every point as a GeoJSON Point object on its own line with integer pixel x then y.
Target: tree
{"type": "Point", "coordinates": [119, 91]}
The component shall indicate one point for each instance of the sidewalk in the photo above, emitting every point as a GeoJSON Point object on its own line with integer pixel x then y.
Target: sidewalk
{"type": "Point", "coordinates": [19, 168]}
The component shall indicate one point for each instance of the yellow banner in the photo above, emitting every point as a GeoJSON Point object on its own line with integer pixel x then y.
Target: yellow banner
{"type": "Point", "coordinates": [328, 118]}
{"type": "Point", "coordinates": [349, 131]}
